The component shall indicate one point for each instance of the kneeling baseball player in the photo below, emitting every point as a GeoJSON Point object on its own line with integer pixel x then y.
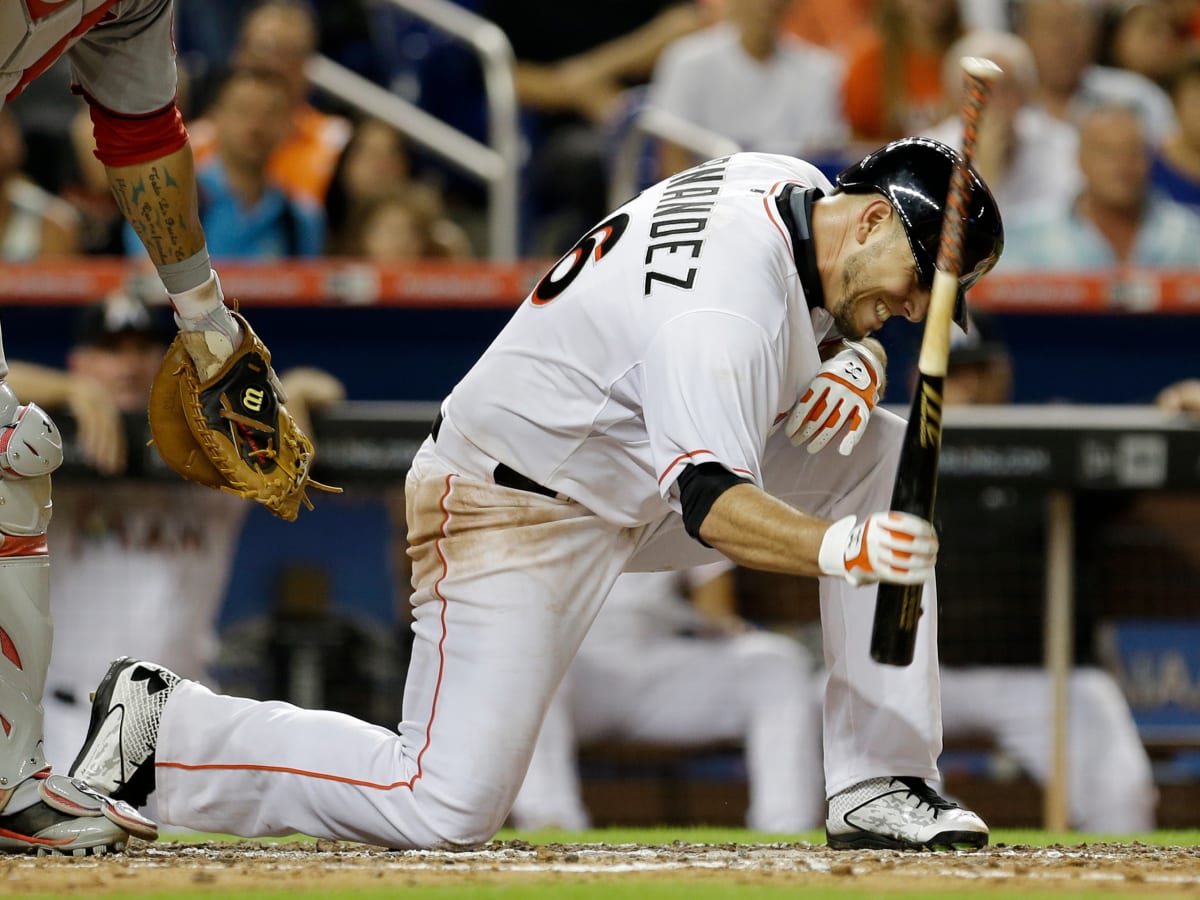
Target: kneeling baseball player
{"type": "Point", "coordinates": [639, 412]}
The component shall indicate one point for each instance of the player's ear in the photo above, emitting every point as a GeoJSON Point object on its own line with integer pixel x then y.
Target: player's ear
{"type": "Point", "coordinates": [875, 217]}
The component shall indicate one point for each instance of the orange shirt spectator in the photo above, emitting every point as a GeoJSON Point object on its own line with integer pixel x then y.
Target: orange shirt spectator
{"type": "Point", "coordinates": [893, 85]}
{"type": "Point", "coordinates": [864, 92]}
{"type": "Point", "coordinates": [303, 164]}
{"type": "Point", "coordinates": [281, 35]}
{"type": "Point", "coordinates": [838, 26]}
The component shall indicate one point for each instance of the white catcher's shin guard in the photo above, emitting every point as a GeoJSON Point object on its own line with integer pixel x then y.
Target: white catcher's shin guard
{"type": "Point", "coordinates": [30, 449]}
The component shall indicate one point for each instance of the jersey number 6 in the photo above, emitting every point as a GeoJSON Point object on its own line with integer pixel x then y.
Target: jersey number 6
{"type": "Point", "coordinates": [596, 242]}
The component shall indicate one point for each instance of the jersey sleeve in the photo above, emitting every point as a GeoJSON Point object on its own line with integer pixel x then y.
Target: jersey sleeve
{"type": "Point", "coordinates": [712, 381]}
{"type": "Point", "coordinates": [127, 64]}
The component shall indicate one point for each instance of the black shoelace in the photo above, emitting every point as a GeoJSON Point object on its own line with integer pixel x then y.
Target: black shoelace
{"type": "Point", "coordinates": [925, 794]}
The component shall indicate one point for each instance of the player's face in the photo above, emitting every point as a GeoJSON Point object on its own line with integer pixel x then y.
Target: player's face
{"type": "Point", "coordinates": [878, 281]}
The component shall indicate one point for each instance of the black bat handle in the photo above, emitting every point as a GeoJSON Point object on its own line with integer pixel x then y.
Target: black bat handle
{"type": "Point", "coordinates": [898, 606]}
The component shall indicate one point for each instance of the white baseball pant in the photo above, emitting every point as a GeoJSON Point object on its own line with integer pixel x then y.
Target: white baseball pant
{"type": "Point", "coordinates": [506, 584]}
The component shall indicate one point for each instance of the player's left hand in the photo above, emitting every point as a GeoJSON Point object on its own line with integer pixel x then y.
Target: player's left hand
{"type": "Point", "coordinates": [838, 401]}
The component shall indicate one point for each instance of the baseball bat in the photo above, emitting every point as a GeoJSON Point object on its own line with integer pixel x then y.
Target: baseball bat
{"type": "Point", "coordinates": [898, 606]}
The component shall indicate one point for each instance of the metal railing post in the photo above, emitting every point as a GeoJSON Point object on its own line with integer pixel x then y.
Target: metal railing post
{"type": "Point", "coordinates": [497, 163]}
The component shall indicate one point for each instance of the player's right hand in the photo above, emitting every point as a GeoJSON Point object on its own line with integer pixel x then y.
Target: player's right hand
{"type": "Point", "coordinates": [838, 401]}
{"type": "Point", "coordinates": [897, 547]}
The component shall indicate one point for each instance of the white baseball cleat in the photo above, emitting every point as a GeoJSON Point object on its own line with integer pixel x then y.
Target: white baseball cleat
{"type": "Point", "coordinates": [117, 757]}
{"type": "Point", "coordinates": [69, 818]}
{"type": "Point", "coordinates": [900, 813]}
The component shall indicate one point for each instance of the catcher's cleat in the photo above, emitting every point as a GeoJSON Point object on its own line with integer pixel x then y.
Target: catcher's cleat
{"type": "Point", "coordinates": [69, 818]}
{"type": "Point", "coordinates": [900, 813]}
{"type": "Point", "coordinates": [117, 757]}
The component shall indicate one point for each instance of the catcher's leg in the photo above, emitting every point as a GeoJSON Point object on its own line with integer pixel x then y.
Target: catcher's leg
{"type": "Point", "coordinates": [39, 812]}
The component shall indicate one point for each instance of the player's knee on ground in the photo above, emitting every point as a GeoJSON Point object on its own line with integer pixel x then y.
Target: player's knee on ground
{"type": "Point", "coordinates": [462, 816]}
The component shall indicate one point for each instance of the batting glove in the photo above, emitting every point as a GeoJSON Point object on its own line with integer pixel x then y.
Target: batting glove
{"type": "Point", "coordinates": [839, 400]}
{"type": "Point", "coordinates": [888, 546]}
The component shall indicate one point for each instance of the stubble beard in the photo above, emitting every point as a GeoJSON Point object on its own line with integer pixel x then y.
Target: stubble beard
{"type": "Point", "coordinates": [854, 279]}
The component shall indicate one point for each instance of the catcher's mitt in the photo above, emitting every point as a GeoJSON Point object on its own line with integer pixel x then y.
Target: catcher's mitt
{"type": "Point", "coordinates": [232, 432]}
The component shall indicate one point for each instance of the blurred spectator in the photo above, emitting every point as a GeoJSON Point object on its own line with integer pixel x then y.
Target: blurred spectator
{"type": "Point", "coordinates": [244, 212]}
{"type": "Point", "coordinates": [34, 224]}
{"type": "Point", "coordinates": [1117, 219]}
{"type": "Point", "coordinates": [571, 76]}
{"type": "Point", "coordinates": [1029, 159]}
{"type": "Point", "coordinates": [1141, 36]}
{"type": "Point", "coordinates": [893, 85]}
{"type": "Point", "coordinates": [990, 630]}
{"type": "Point", "coordinates": [406, 223]}
{"type": "Point", "coordinates": [281, 35]}
{"type": "Point", "coordinates": [657, 669]}
{"type": "Point", "coordinates": [371, 194]}
{"type": "Point", "coordinates": [374, 163]}
{"type": "Point", "coordinates": [1175, 170]}
{"type": "Point", "coordinates": [1062, 35]}
{"type": "Point", "coordinates": [746, 79]}
{"type": "Point", "coordinates": [140, 566]}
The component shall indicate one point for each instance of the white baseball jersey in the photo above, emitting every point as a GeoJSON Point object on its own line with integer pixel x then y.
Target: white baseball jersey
{"type": "Point", "coordinates": [675, 332]}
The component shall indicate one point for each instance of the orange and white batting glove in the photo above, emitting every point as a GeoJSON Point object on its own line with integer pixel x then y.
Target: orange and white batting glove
{"type": "Point", "coordinates": [888, 546]}
{"type": "Point", "coordinates": [839, 400]}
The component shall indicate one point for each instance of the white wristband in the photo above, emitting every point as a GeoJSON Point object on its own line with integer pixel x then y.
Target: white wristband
{"type": "Point", "coordinates": [832, 557]}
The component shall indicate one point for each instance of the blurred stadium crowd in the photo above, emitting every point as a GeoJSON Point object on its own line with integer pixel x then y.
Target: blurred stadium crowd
{"type": "Point", "coordinates": [1091, 145]}
{"type": "Point", "coordinates": [1092, 142]}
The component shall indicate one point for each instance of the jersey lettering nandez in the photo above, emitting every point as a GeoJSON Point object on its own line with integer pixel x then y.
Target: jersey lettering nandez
{"type": "Point", "coordinates": [683, 209]}
{"type": "Point", "coordinates": [674, 332]}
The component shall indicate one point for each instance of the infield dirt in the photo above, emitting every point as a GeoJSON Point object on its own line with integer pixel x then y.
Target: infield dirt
{"type": "Point", "coordinates": [1120, 870]}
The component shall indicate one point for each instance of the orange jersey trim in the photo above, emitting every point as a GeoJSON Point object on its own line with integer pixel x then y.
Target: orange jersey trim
{"type": "Point", "coordinates": [677, 460]}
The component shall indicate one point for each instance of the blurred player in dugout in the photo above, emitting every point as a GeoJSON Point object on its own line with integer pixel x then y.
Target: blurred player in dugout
{"type": "Point", "coordinates": [990, 629]}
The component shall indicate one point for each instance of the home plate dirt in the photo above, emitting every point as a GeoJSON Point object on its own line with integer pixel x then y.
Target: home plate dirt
{"type": "Point", "coordinates": [1126, 869]}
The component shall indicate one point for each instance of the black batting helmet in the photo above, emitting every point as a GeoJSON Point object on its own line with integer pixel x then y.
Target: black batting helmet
{"type": "Point", "coordinates": [914, 174]}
